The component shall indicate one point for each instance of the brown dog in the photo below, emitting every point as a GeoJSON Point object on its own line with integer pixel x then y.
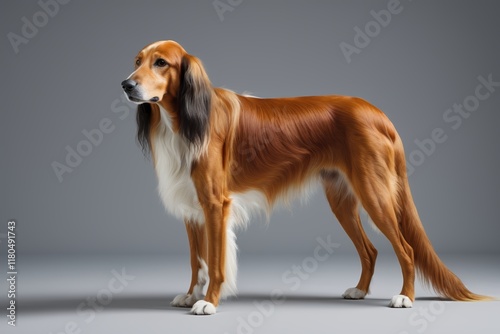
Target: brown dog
{"type": "Point", "coordinates": [219, 156]}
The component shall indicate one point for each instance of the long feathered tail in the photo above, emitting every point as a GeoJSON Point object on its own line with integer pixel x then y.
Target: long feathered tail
{"type": "Point", "coordinates": [430, 267]}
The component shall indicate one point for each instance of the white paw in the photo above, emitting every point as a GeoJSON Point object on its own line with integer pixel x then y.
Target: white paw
{"type": "Point", "coordinates": [184, 300]}
{"type": "Point", "coordinates": [400, 301]}
{"type": "Point", "coordinates": [354, 293]}
{"type": "Point", "coordinates": [202, 307]}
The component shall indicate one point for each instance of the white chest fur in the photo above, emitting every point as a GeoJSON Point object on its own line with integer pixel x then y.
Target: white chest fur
{"type": "Point", "coordinates": [173, 160]}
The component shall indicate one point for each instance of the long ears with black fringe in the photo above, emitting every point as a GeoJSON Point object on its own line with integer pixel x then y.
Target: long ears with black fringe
{"type": "Point", "coordinates": [194, 100]}
{"type": "Point", "coordinates": [143, 118]}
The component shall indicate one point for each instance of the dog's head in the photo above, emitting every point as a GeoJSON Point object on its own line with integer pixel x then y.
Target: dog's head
{"type": "Point", "coordinates": [165, 74]}
{"type": "Point", "coordinates": [157, 73]}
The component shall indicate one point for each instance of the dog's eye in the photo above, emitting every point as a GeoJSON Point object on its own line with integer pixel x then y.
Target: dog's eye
{"type": "Point", "coordinates": [160, 62]}
{"type": "Point", "coordinates": [137, 62]}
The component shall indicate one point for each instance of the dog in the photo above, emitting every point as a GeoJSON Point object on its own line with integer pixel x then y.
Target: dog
{"type": "Point", "coordinates": [220, 156]}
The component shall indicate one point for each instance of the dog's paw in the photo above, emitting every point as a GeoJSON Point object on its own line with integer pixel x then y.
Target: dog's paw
{"type": "Point", "coordinates": [184, 300]}
{"type": "Point", "coordinates": [202, 307]}
{"type": "Point", "coordinates": [354, 293]}
{"type": "Point", "coordinates": [400, 301]}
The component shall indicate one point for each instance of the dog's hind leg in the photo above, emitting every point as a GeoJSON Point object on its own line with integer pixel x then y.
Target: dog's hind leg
{"type": "Point", "coordinates": [377, 188]}
{"type": "Point", "coordinates": [199, 271]}
{"type": "Point", "coordinates": [344, 205]}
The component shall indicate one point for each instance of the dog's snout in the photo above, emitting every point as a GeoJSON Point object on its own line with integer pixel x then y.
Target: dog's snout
{"type": "Point", "coordinates": [128, 85]}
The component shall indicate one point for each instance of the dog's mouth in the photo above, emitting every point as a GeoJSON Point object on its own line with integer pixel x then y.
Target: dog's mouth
{"type": "Point", "coordinates": [135, 99]}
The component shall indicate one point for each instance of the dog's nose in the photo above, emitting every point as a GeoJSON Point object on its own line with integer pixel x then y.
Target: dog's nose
{"type": "Point", "coordinates": [128, 85]}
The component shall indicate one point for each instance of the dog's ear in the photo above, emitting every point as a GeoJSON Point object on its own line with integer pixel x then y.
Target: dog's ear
{"type": "Point", "coordinates": [143, 118]}
{"type": "Point", "coordinates": [194, 100]}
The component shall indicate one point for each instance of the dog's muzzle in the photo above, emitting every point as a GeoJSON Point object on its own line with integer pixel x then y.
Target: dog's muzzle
{"type": "Point", "coordinates": [134, 94]}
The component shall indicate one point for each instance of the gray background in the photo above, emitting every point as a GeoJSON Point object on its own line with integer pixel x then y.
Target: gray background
{"type": "Point", "coordinates": [67, 77]}
{"type": "Point", "coordinates": [106, 214]}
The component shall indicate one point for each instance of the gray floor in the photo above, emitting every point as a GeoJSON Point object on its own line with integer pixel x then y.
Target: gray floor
{"type": "Point", "coordinates": [55, 295]}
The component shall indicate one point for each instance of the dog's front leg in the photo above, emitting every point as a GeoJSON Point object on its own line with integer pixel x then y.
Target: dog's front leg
{"type": "Point", "coordinates": [215, 203]}
{"type": "Point", "coordinates": [199, 272]}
